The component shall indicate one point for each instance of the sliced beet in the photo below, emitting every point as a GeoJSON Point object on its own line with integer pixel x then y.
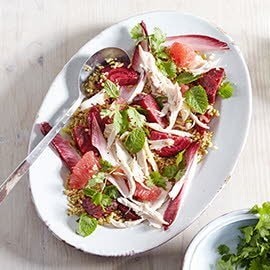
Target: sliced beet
{"type": "Point", "coordinates": [97, 211]}
{"type": "Point", "coordinates": [123, 76]}
{"type": "Point", "coordinates": [151, 107]}
{"type": "Point", "coordinates": [82, 139]}
{"type": "Point", "coordinates": [211, 81]}
{"type": "Point", "coordinates": [180, 143]}
{"type": "Point", "coordinates": [66, 152]}
{"type": "Point", "coordinates": [127, 213]}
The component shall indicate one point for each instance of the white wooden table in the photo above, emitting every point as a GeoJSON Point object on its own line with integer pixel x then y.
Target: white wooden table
{"type": "Point", "coordinates": [37, 38]}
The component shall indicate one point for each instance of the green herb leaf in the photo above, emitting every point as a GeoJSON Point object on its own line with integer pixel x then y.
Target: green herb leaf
{"type": "Point", "coordinates": [97, 198]}
{"type": "Point", "coordinates": [111, 89]}
{"type": "Point", "coordinates": [253, 250]}
{"type": "Point", "coordinates": [170, 171]}
{"type": "Point", "coordinates": [111, 191]}
{"type": "Point", "coordinates": [106, 166]}
{"type": "Point", "coordinates": [156, 40]}
{"type": "Point", "coordinates": [137, 33]}
{"type": "Point", "coordinates": [226, 90]}
{"type": "Point", "coordinates": [101, 199]}
{"type": "Point", "coordinates": [187, 77]}
{"type": "Point", "coordinates": [179, 157]}
{"type": "Point", "coordinates": [168, 68]}
{"type": "Point", "coordinates": [96, 179]}
{"type": "Point", "coordinates": [136, 119]}
{"type": "Point", "coordinates": [86, 225]}
{"type": "Point", "coordinates": [223, 249]}
{"type": "Point", "coordinates": [157, 179]}
{"type": "Point", "coordinates": [120, 121]}
{"type": "Point", "coordinates": [135, 140]}
{"type": "Point", "coordinates": [89, 192]}
{"type": "Point", "coordinates": [224, 265]}
{"type": "Point", "coordinates": [106, 112]}
{"type": "Point", "coordinates": [197, 100]}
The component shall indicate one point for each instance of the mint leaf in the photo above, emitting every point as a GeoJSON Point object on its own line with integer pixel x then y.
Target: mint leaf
{"type": "Point", "coordinates": [86, 225]}
{"type": "Point", "coordinates": [197, 100]}
{"type": "Point", "coordinates": [106, 166]}
{"type": "Point", "coordinates": [111, 191]}
{"type": "Point", "coordinates": [170, 171]}
{"type": "Point", "coordinates": [111, 89]}
{"type": "Point", "coordinates": [187, 77]}
{"type": "Point", "coordinates": [135, 140]}
{"type": "Point", "coordinates": [157, 179]}
{"type": "Point", "coordinates": [168, 68]}
{"type": "Point", "coordinates": [136, 119]}
{"type": "Point", "coordinates": [97, 198]}
{"type": "Point", "coordinates": [137, 33]}
{"type": "Point", "coordinates": [101, 199]}
{"type": "Point", "coordinates": [120, 121]}
{"type": "Point", "coordinates": [226, 90]}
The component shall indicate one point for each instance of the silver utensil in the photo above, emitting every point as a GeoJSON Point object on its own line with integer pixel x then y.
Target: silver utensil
{"type": "Point", "coordinates": [92, 62]}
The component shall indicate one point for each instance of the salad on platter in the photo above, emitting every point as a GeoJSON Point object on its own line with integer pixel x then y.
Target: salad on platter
{"type": "Point", "coordinates": [134, 143]}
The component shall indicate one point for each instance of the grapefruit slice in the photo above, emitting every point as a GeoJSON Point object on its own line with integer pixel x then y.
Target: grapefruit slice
{"type": "Point", "coordinates": [144, 194]}
{"type": "Point", "coordinates": [87, 166]}
{"type": "Point", "coordinates": [183, 55]}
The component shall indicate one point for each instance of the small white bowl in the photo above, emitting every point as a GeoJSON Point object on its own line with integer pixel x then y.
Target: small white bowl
{"type": "Point", "coordinates": [202, 251]}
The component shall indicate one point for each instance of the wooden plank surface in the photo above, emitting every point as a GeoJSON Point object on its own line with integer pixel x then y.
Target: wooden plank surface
{"type": "Point", "coordinates": [37, 38]}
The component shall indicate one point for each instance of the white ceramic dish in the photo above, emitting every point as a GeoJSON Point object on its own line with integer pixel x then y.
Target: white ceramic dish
{"type": "Point", "coordinates": [202, 251]}
{"type": "Point", "coordinates": [46, 176]}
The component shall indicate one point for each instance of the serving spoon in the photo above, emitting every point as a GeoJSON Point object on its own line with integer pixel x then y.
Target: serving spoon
{"type": "Point", "coordinates": [99, 58]}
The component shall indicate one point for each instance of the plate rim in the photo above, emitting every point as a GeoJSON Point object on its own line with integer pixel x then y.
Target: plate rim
{"type": "Point", "coordinates": [246, 129]}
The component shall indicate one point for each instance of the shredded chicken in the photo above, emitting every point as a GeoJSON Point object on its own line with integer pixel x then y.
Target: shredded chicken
{"type": "Point", "coordinates": [159, 144]}
{"type": "Point", "coordinates": [157, 127]}
{"type": "Point", "coordinates": [162, 85]}
{"type": "Point", "coordinates": [143, 210]}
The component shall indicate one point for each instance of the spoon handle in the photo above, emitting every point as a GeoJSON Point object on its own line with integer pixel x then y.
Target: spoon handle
{"type": "Point", "coordinates": [24, 166]}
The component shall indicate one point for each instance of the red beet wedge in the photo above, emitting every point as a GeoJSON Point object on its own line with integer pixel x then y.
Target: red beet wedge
{"type": "Point", "coordinates": [123, 76]}
{"type": "Point", "coordinates": [180, 143]}
{"type": "Point", "coordinates": [96, 211]}
{"type": "Point", "coordinates": [211, 81]}
{"type": "Point", "coordinates": [149, 104]}
{"type": "Point", "coordinates": [67, 153]}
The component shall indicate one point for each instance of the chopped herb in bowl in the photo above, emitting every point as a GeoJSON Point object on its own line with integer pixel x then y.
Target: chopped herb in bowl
{"type": "Point", "coordinates": [253, 250]}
